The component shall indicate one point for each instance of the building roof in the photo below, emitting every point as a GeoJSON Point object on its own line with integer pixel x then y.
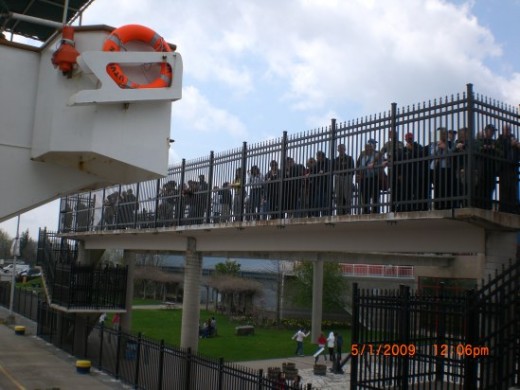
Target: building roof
{"type": "Point", "coordinates": [51, 10]}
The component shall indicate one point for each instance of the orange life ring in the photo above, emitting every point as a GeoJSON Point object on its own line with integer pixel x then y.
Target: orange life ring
{"type": "Point", "coordinates": [135, 32]}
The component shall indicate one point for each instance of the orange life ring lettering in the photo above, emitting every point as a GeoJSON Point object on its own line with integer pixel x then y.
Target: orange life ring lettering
{"type": "Point", "coordinates": [135, 32]}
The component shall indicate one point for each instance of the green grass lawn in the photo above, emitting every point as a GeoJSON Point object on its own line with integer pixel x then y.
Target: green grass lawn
{"type": "Point", "coordinates": [140, 301]}
{"type": "Point", "coordinates": [267, 343]}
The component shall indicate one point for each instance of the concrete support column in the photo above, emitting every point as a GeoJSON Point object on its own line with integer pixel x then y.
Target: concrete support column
{"type": "Point", "coordinates": [88, 256]}
{"type": "Point", "coordinates": [500, 250]}
{"type": "Point", "coordinates": [317, 298]}
{"type": "Point", "coordinates": [191, 301]}
{"type": "Point", "coordinates": [126, 318]}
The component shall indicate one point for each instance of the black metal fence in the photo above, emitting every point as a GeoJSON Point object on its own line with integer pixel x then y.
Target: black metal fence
{"type": "Point", "coordinates": [149, 364]}
{"type": "Point", "coordinates": [72, 285]}
{"type": "Point", "coordinates": [441, 154]}
{"type": "Point", "coordinates": [411, 340]}
{"type": "Point", "coordinates": [25, 300]}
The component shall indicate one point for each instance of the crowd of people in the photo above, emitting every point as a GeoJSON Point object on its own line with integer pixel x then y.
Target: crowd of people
{"type": "Point", "coordinates": [404, 175]}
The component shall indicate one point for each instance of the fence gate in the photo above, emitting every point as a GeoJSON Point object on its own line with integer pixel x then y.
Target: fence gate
{"type": "Point", "coordinates": [408, 340]}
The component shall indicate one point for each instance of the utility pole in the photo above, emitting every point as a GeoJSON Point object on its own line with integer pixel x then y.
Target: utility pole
{"type": "Point", "coordinates": [15, 252]}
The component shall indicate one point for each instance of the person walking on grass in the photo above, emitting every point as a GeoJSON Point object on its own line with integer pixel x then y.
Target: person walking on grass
{"type": "Point", "coordinates": [299, 336]}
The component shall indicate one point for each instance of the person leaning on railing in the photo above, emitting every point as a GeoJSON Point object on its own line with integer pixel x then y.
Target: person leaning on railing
{"type": "Point", "coordinates": [411, 176]}
{"type": "Point", "coordinates": [488, 155]}
{"type": "Point", "coordinates": [225, 198]}
{"type": "Point", "coordinates": [256, 194]}
{"type": "Point", "coordinates": [369, 165]}
{"type": "Point", "coordinates": [320, 184]}
{"type": "Point", "coordinates": [460, 169]}
{"type": "Point", "coordinates": [387, 154]}
{"type": "Point", "coordinates": [272, 189]}
{"type": "Point", "coordinates": [441, 171]}
{"type": "Point", "coordinates": [237, 187]}
{"type": "Point", "coordinates": [508, 171]}
{"type": "Point", "coordinates": [343, 185]}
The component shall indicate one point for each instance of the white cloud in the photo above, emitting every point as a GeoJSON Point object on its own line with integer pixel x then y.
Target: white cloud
{"type": "Point", "coordinates": [327, 52]}
{"type": "Point", "coordinates": [197, 112]}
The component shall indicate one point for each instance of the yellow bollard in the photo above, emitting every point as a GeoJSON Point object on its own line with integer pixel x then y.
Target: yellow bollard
{"type": "Point", "coordinates": [83, 366]}
{"type": "Point", "coordinates": [19, 330]}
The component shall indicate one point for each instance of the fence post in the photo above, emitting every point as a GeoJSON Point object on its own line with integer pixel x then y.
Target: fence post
{"type": "Point", "coordinates": [469, 145]}
{"type": "Point", "coordinates": [161, 364]}
{"type": "Point", "coordinates": [101, 337]}
{"type": "Point", "coordinates": [118, 351]}
{"type": "Point", "coordinates": [282, 176]}
{"type": "Point", "coordinates": [404, 335]}
{"type": "Point", "coordinates": [330, 178]}
{"type": "Point", "coordinates": [243, 181]}
{"type": "Point", "coordinates": [472, 331]}
{"type": "Point", "coordinates": [354, 336]}
{"type": "Point", "coordinates": [392, 178]}
{"type": "Point", "coordinates": [220, 372]}
{"type": "Point", "coordinates": [210, 186]}
{"type": "Point", "coordinates": [188, 369]}
{"type": "Point", "coordinates": [38, 318]}
{"type": "Point", "coordinates": [136, 211]}
{"type": "Point", "coordinates": [179, 210]}
{"type": "Point", "coordinates": [260, 379]}
{"type": "Point", "coordinates": [441, 335]}
{"type": "Point", "coordinates": [157, 196]}
{"type": "Point", "coordinates": [137, 360]}
{"type": "Point", "coordinates": [102, 220]}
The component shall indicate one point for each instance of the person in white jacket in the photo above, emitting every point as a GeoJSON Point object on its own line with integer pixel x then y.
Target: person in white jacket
{"type": "Point", "coordinates": [331, 343]}
{"type": "Point", "coordinates": [299, 336]}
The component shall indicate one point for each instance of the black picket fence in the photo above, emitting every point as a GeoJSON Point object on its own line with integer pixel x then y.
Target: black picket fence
{"type": "Point", "coordinates": [25, 302]}
{"type": "Point", "coordinates": [148, 364]}
{"type": "Point", "coordinates": [419, 341]}
{"type": "Point", "coordinates": [75, 286]}
{"type": "Point", "coordinates": [441, 154]}
{"type": "Point", "coordinates": [134, 359]}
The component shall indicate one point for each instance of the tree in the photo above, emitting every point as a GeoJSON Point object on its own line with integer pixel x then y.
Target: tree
{"type": "Point", "coordinates": [156, 282]}
{"type": "Point", "coordinates": [28, 248]}
{"type": "Point", "coordinates": [229, 267]}
{"type": "Point", "coordinates": [237, 293]}
{"type": "Point", "coordinates": [5, 245]}
{"type": "Point", "coordinates": [335, 287]}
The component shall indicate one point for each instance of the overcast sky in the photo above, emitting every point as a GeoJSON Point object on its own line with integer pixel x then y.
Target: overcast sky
{"type": "Point", "coordinates": [253, 69]}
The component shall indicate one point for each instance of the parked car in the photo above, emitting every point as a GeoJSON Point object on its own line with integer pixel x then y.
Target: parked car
{"type": "Point", "coordinates": [31, 273]}
{"type": "Point", "coordinates": [19, 268]}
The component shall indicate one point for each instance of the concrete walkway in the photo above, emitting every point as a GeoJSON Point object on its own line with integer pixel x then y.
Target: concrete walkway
{"type": "Point", "coordinates": [28, 362]}
{"type": "Point", "coordinates": [305, 365]}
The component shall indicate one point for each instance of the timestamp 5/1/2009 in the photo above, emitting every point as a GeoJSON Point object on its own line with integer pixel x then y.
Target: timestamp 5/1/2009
{"type": "Point", "coordinates": [390, 349]}
{"type": "Point", "coordinates": [398, 349]}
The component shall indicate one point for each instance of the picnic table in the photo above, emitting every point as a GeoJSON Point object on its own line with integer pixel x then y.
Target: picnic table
{"type": "Point", "coordinates": [171, 305]}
